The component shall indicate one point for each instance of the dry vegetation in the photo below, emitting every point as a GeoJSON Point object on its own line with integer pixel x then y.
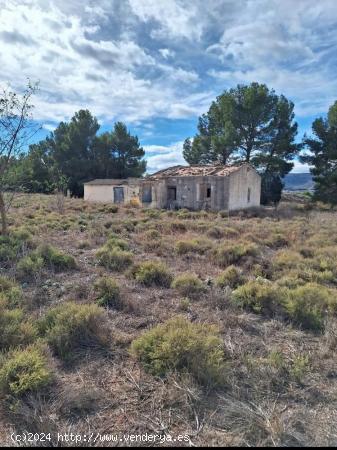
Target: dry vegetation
{"type": "Point", "coordinates": [132, 321]}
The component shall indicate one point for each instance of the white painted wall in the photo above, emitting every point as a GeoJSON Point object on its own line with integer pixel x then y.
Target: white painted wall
{"type": "Point", "coordinates": [239, 182]}
{"type": "Point", "coordinates": [98, 193]}
{"type": "Point", "coordinates": [105, 193]}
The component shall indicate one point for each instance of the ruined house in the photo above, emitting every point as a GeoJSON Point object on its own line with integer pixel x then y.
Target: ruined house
{"type": "Point", "coordinates": [215, 187]}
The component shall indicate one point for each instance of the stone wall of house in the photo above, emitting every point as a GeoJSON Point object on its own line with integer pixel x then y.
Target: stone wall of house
{"type": "Point", "coordinates": [194, 193]}
{"type": "Point", "coordinates": [244, 189]}
{"type": "Point", "coordinates": [240, 189]}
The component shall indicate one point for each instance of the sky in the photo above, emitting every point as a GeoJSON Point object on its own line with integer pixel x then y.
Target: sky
{"type": "Point", "coordinates": [158, 64]}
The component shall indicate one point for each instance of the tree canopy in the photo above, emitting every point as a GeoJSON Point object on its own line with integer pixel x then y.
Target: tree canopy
{"type": "Point", "coordinates": [323, 156]}
{"type": "Point", "coordinates": [76, 153]}
{"type": "Point", "coordinates": [251, 124]}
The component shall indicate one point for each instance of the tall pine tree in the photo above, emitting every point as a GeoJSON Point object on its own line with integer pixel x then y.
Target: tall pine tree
{"type": "Point", "coordinates": [323, 156]}
{"type": "Point", "coordinates": [252, 124]}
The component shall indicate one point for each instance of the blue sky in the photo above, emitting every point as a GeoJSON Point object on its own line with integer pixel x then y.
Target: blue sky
{"type": "Point", "coordinates": [158, 64]}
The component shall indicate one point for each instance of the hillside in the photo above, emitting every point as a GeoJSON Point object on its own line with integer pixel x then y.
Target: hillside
{"type": "Point", "coordinates": [194, 328]}
{"type": "Point", "coordinates": [298, 182]}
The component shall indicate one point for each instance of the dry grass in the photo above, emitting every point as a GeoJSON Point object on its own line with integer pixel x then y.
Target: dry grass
{"type": "Point", "coordinates": [280, 380]}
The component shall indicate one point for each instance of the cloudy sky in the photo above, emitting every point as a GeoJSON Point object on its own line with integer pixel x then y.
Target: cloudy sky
{"type": "Point", "coordinates": [157, 64]}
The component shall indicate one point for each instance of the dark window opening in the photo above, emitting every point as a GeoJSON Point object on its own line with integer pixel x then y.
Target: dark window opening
{"type": "Point", "coordinates": [248, 195]}
{"type": "Point", "coordinates": [172, 193]}
{"type": "Point", "coordinates": [209, 192]}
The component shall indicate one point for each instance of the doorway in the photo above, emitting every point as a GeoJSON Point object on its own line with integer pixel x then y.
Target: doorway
{"type": "Point", "coordinates": [118, 195]}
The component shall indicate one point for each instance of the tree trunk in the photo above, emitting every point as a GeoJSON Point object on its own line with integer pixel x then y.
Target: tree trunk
{"type": "Point", "coordinates": [3, 215]}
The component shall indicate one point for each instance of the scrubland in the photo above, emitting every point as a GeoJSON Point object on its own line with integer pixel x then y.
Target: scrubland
{"type": "Point", "coordinates": [127, 320]}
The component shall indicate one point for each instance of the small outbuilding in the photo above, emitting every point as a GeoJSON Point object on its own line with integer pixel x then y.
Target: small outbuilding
{"type": "Point", "coordinates": [112, 190]}
{"type": "Point", "coordinates": [214, 187]}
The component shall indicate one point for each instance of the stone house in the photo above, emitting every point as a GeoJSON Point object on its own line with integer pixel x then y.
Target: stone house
{"type": "Point", "coordinates": [215, 187]}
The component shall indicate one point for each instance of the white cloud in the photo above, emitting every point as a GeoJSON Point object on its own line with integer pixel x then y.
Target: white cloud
{"type": "Point", "coordinates": [177, 19]}
{"type": "Point", "coordinates": [78, 67]}
{"type": "Point", "coordinates": [159, 156]}
{"type": "Point", "coordinates": [166, 53]}
{"type": "Point", "coordinates": [142, 59]}
{"type": "Point", "coordinates": [300, 167]}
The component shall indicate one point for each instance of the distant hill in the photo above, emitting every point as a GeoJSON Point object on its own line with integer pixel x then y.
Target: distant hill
{"type": "Point", "coordinates": [298, 182]}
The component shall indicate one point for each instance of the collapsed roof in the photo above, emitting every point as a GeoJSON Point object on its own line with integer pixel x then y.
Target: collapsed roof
{"type": "Point", "coordinates": [196, 170]}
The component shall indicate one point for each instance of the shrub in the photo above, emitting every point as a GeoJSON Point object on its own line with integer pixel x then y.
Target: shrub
{"type": "Point", "coordinates": [108, 292]}
{"type": "Point", "coordinates": [216, 233]}
{"type": "Point", "coordinates": [233, 253]}
{"type": "Point", "coordinates": [299, 367]}
{"type": "Point", "coordinates": [285, 259]}
{"type": "Point", "coordinates": [259, 297]}
{"type": "Point", "coordinates": [224, 214]}
{"type": "Point", "coordinates": [308, 305]}
{"type": "Point", "coordinates": [114, 258]}
{"type": "Point", "coordinates": [14, 245]}
{"type": "Point", "coordinates": [153, 273]}
{"type": "Point", "coordinates": [152, 234]}
{"type": "Point", "coordinates": [231, 276]}
{"type": "Point", "coordinates": [55, 259]}
{"type": "Point", "coordinates": [182, 346]}
{"type": "Point", "coordinates": [113, 209]}
{"type": "Point", "coordinates": [115, 242]}
{"type": "Point", "coordinates": [25, 371]}
{"type": "Point", "coordinates": [14, 329]}
{"type": "Point", "coordinates": [10, 291]}
{"type": "Point", "coordinates": [70, 326]}
{"type": "Point", "coordinates": [177, 226]}
{"type": "Point", "coordinates": [30, 266]}
{"type": "Point", "coordinates": [189, 285]}
{"type": "Point", "coordinates": [198, 245]}
{"type": "Point", "coordinates": [276, 240]}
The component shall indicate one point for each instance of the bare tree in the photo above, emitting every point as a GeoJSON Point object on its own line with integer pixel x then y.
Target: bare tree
{"type": "Point", "coordinates": [16, 130]}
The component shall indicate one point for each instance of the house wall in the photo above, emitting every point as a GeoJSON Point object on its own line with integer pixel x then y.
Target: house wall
{"type": "Point", "coordinates": [239, 182]}
{"type": "Point", "coordinates": [191, 193]}
{"type": "Point", "coordinates": [229, 192]}
{"type": "Point", "coordinates": [105, 193]}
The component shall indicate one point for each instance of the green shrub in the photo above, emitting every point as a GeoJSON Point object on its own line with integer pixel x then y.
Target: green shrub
{"type": "Point", "coordinates": [25, 371]}
{"type": "Point", "coordinates": [153, 273]}
{"type": "Point", "coordinates": [287, 259]}
{"type": "Point", "coordinates": [276, 240]}
{"type": "Point", "coordinates": [14, 245]}
{"type": "Point", "coordinates": [10, 291]}
{"type": "Point", "coordinates": [223, 214]}
{"type": "Point", "coordinates": [15, 330]}
{"type": "Point", "coordinates": [232, 276]}
{"type": "Point", "coordinates": [112, 209]}
{"type": "Point", "coordinates": [259, 297]}
{"type": "Point", "coordinates": [198, 245]}
{"type": "Point", "coordinates": [189, 285]}
{"type": "Point", "coordinates": [308, 305]}
{"type": "Point", "coordinates": [114, 258]}
{"type": "Point", "coordinates": [182, 346]}
{"type": "Point", "coordinates": [108, 292]}
{"type": "Point", "coordinates": [69, 326]}
{"type": "Point", "coordinates": [30, 266]}
{"type": "Point", "coordinates": [299, 368]}
{"type": "Point", "coordinates": [185, 304]}
{"type": "Point", "coordinates": [233, 253]}
{"type": "Point", "coordinates": [116, 242]}
{"type": "Point", "coordinates": [55, 259]}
